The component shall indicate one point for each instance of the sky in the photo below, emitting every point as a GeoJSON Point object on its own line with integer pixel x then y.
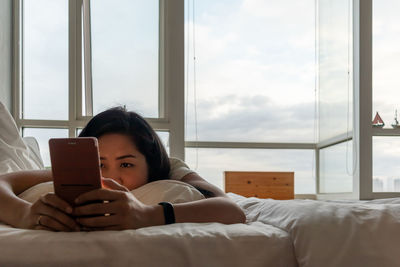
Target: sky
{"type": "Point", "coordinates": [386, 67]}
{"type": "Point", "coordinates": [45, 60]}
{"type": "Point", "coordinates": [251, 76]}
{"type": "Point", "coordinates": [255, 78]}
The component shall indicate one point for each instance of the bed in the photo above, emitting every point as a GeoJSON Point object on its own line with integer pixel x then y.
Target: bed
{"type": "Point", "coordinates": [276, 233]}
{"type": "Point", "coordinates": [186, 244]}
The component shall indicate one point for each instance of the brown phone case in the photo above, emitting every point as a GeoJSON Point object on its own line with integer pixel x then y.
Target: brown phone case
{"type": "Point", "coordinates": [75, 165]}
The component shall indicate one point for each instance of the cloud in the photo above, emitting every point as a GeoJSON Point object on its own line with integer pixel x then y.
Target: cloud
{"type": "Point", "coordinates": [253, 118]}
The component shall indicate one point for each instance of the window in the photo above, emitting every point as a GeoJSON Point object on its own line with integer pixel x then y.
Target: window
{"type": "Point", "coordinates": [386, 60]}
{"type": "Point", "coordinates": [82, 63]}
{"type": "Point", "coordinates": [249, 84]}
{"type": "Point", "coordinates": [336, 169]}
{"type": "Point", "coordinates": [335, 68]}
{"type": "Point", "coordinates": [385, 95]}
{"type": "Point", "coordinates": [125, 55]}
{"type": "Point", "coordinates": [43, 135]}
{"type": "Point", "coordinates": [335, 80]}
{"type": "Point", "coordinates": [252, 84]}
{"type": "Point", "coordinates": [386, 168]}
{"type": "Point", "coordinates": [45, 59]}
{"type": "Point", "coordinates": [102, 59]}
{"type": "Point", "coordinates": [251, 80]}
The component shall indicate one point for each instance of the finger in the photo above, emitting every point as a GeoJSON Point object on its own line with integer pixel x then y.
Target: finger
{"type": "Point", "coordinates": [55, 214]}
{"type": "Point", "coordinates": [53, 224]}
{"type": "Point", "coordinates": [98, 221]}
{"type": "Point", "coordinates": [53, 200]}
{"type": "Point", "coordinates": [112, 184]}
{"type": "Point", "coordinates": [98, 194]}
{"type": "Point", "coordinates": [95, 209]}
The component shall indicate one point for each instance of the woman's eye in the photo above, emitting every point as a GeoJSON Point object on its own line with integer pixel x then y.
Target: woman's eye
{"type": "Point", "coordinates": [126, 165]}
{"type": "Point", "coordinates": [101, 165]}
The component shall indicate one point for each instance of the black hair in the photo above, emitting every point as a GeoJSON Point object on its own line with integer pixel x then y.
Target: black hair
{"type": "Point", "coordinates": [119, 120]}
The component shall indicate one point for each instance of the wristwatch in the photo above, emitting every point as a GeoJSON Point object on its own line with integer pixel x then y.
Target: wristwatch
{"type": "Point", "coordinates": [169, 214]}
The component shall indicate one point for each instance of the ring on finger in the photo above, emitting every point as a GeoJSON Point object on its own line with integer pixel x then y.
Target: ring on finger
{"type": "Point", "coordinates": [38, 220]}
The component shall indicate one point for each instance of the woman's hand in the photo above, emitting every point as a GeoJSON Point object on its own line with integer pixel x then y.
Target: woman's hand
{"type": "Point", "coordinates": [118, 209]}
{"type": "Point", "coordinates": [49, 213]}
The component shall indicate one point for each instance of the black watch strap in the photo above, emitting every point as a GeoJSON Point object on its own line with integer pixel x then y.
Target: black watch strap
{"type": "Point", "coordinates": [169, 214]}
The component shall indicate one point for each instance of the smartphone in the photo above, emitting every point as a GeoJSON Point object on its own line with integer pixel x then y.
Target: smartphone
{"type": "Point", "coordinates": [75, 165]}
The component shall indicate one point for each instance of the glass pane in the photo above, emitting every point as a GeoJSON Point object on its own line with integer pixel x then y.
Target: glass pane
{"type": "Point", "coordinates": [45, 59]}
{"type": "Point", "coordinates": [386, 164]}
{"type": "Point", "coordinates": [213, 162]}
{"type": "Point", "coordinates": [252, 82]}
{"type": "Point", "coordinates": [43, 135]}
{"type": "Point", "coordinates": [125, 47]}
{"type": "Point", "coordinates": [164, 136]}
{"type": "Point", "coordinates": [386, 58]}
{"type": "Point", "coordinates": [78, 131]}
{"type": "Point", "coordinates": [335, 65]}
{"type": "Point", "coordinates": [336, 168]}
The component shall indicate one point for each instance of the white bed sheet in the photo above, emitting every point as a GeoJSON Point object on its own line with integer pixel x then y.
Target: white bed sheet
{"type": "Point", "coordinates": [334, 233]}
{"type": "Point", "coordinates": [186, 244]}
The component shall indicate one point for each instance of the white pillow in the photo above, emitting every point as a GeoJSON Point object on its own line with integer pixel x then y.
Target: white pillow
{"type": "Point", "coordinates": [15, 154]}
{"type": "Point", "coordinates": [152, 193]}
{"type": "Point", "coordinates": [167, 190]}
{"type": "Point", "coordinates": [34, 149]}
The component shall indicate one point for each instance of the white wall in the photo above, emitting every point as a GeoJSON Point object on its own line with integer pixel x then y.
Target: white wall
{"type": "Point", "coordinates": [5, 52]}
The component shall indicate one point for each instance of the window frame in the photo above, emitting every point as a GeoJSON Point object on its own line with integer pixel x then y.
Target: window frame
{"type": "Point", "coordinates": [362, 110]}
{"type": "Point", "coordinates": [171, 69]}
{"type": "Point", "coordinates": [171, 80]}
{"type": "Point", "coordinates": [364, 176]}
{"type": "Point", "coordinates": [171, 91]}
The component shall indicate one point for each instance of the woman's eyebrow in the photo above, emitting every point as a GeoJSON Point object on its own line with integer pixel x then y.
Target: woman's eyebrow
{"type": "Point", "coordinates": [121, 157]}
{"type": "Point", "coordinates": [126, 156]}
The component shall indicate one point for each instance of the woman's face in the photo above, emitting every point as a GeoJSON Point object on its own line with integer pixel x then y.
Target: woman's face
{"type": "Point", "coordinates": [122, 161]}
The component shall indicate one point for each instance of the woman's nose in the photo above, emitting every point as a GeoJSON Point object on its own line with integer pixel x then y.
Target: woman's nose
{"type": "Point", "coordinates": [113, 174]}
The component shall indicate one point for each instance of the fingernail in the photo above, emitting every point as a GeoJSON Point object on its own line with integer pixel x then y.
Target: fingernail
{"type": "Point", "coordinates": [76, 201]}
{"type": "Point", "coordinates": [69, 210]}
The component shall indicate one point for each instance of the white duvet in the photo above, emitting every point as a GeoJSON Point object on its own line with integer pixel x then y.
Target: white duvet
{"type": "Point", "coordinates": [334, 233]}
{"type": "Point", "coordinates": [187, 244]}
{"type": "Point", "coordinates": [277, 233]}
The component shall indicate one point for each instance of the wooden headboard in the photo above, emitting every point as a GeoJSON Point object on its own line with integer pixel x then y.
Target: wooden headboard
{"type": "Point", "coordinates": [276, 185]}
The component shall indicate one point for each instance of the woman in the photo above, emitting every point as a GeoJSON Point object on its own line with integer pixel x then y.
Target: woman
{"type": "Point", "coordinates": [131, 155]}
